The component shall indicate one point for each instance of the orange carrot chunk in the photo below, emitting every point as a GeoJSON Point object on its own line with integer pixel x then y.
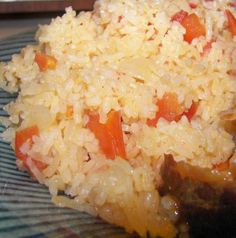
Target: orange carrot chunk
{"type": "Point", "coordinates": [179, 16]}
{"type": "Point", "coordinates": [101, 134]}
{"type": "Point", "coordinates": [45, 62]}
{"type": "Point", "coordinates": [114, 126]}
{"type": "Point", "coordinates": [69, 111]}
{"type": "Point", "coordinates": [40, 165]}
{"type": "Point", "coordinates": [207, 47]}
{"type": "Point", "coordinates": [232, 4]}
{"type": "Point", "coordinates": [26, 136]}
{"type": "Point", "coordinates": [22, 137]}
{"type": "Point", "coordinates": [222, 166]}
{"type": "Point", "coordinates": [231, 22]}
{"type": "Point", "coordinates": [193, 27]}
{"type": "Point", "coordinates": [109, 135]}
{"type": "Point", "coordinates": [168, 108]}
{"type": "Point", "coordinates": [191, 111]}
{"type": "Point", "coordinates": [193, 5]}
{"type": "Point", "coordinates": [120, 18]}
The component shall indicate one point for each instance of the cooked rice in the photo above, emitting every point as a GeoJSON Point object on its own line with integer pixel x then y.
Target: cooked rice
{"type": "Point", "coordinates": [121, 56]}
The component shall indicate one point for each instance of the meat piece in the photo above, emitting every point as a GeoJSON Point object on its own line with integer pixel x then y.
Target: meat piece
{"type": "Point", "coordinates": [228, 120]}
{"type": "Point", "coordinates": [207, 199]}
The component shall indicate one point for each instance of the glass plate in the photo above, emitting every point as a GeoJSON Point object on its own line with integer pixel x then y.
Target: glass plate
{"type": "Point", "coordinates": [26, 209]}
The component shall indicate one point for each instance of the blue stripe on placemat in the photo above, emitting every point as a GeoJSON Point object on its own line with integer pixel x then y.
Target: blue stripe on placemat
{"type": "Point", "coordinates": [14, 44]}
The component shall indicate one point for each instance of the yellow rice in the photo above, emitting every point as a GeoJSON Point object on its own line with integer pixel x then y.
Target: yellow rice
{"type": "Point", "coordinates": [114, 58]}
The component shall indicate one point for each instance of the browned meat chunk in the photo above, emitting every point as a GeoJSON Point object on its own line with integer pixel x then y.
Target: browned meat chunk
{"type": "Point", "coordinates": [207, 198]}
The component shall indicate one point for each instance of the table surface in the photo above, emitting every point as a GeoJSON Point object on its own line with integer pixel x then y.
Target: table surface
{"type": "Point", "coordinates": [43, 6]}
{"type": "Point", "coordinates": [13, 23]}
{"type": "Point", "coordinates": [10, 27]}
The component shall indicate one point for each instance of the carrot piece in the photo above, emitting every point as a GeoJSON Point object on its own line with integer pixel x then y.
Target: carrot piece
{"type": "Point", "coordinates": [231, 22]}
{"type": "Point", "coordinates": [115, 128]}
{"type": "Point", "coordinates": [207, 47]}
{"type": "Point", "coordinates": [221, 166]}
{"type": "Point", "coordinates": [40, 165]}
{"type": "Point", "coordinates": [193, 5]}
{"type": "Point", "coordinates": [179, 16]}
{"type": "Point", "coordinates": [193, 27]}
{"type": "Point", "coordinates": [171, 110]}
{"type": "Point", "coordinates": [119, 18]}
{"type": "Point", "coordinates": [232, 4]}
{"type": "Point", "coordinates": [23, 136]}
{"type": "Point", "coordinates": [45, 62]}
{"type": "Point", "coordinates": [191, 111]}
{"type": "Point", "coordinates": [69, 111]}
{"type": "Point", "coordinates": [168, 108]}
{"type": "Point", "coordinates": [101, 133]}
{"type": "Point", "coordinates": [109, 135]}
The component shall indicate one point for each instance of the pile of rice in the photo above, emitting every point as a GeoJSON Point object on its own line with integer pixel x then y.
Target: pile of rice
{"type": "Point", "coordinates": [122, 56]}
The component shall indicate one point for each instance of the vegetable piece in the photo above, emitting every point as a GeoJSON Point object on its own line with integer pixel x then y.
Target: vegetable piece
{"type": "Point", "coordinates": [101, 133]}
{"type": "Point", "coordinates": [171, 110]}
{"type": "Point", "coordinates": [222, 166]}
{"type": "Point", "coordinates": [191, 111]}
{"type": "Point", "coordinates": [231, 22]}
{"type": "Point", "coordinates": [109, 135]}
{"type": "Point", "coordinates": [24, 136]}
{"type": "Point", "coordinates": [115, 128]}
{"type": "Point", "coordinates": [207, 47]}
{"type": "Point", "coordinates": [40, 165]}
{"type": "Point", "coordinates": [232, 4]}
{"type": "Point", "coordinates": [179, 16]}
{"type": "Point", "coordinates": [45, 62]}
{"type": "Point", "coordinates": [120, 18]}
{"type": "Point", "coordinates": [69, 111]}
{"type": "Point", "coordinates": [193, 5]}
{"type": "Point", "coordinates": [168, 108]}
{"type": "Point", "coordinates": [193, 27]}
{"type": "Point", "coordinates": [191, 23]}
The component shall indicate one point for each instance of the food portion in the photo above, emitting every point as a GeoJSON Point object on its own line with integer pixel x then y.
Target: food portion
{"type": "Point", "coordinates": [103, 98]}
